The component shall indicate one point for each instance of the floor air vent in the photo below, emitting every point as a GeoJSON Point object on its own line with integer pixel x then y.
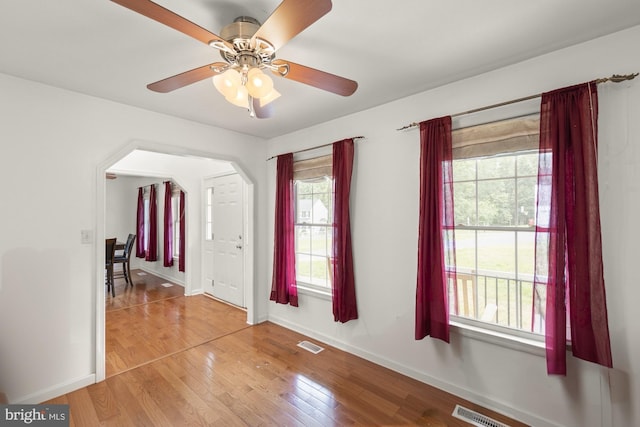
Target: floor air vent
{"type": "Point", "coordinates": [475, 418]}
{"type": "Point", "coordinates": [309, 346]}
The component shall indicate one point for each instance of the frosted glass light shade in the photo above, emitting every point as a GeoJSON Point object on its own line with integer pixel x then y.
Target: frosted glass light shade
{"type": "Point", "coordinates": [240, 97]}
{"type": "Point", "coordinates": [227, 83]}
{"type": "Point", "coordinates": [258, 83]}
{"type": "Point", "coordinates": [271, 96]}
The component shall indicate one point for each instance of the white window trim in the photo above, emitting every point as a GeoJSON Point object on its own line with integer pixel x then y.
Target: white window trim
{"type": "Point", "coordinates": [314, 291]}
{"type": "Point", "coordinates": [514, 340]}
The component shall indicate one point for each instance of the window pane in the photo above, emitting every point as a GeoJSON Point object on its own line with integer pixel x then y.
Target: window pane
{"type": "Point", "coordinates": [319, 241]}
{"type": "Point", "coordinates": [303, 187]}
{"type": "Point", "coordinates": [526, 253]}
{"type": "Point", "coordinates": [303, 268]}
{"type": "Point", "coordinates": [320, 212]}
{"type": "Point", "coordinates": [526, 263]}
{"type": "Point", "coordinates": [526, 201]}
{"type": "Point", "coordinates": [496, 167]}
{"type": "Point", "coordinates": [464, 170]}
{"type": "Point", "coordinates": [464, 203]}
{"type": "Point", "coordinates": [528, 164]}
{"type": "Point", "coordinates": [496, 202]}
{"type": "Point", "coordinates": [466, 250]}
{"type": "Point", "coordinates": [303, 239]}
{"type": "Point", "coordinates": [304, 208]}
{"type": "Point", "coordinates": [496, 251]}
{"type": "Point", "coordinates": [319, 270]}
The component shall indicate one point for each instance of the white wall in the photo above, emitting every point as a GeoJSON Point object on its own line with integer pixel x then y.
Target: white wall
{"type": "Point", "coordinates": [385, 223]}
{"type": "Point", "coordinates": [121, 199]}
{"type": "Point", "coordinates": [52, 144]}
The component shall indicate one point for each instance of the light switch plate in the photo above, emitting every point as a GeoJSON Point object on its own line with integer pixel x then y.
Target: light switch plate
{"type": "Point", "coordinates": [86, 237]}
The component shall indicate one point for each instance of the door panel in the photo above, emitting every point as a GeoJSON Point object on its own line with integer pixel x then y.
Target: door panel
{"type": "Point", "coordinates": [224, 257]}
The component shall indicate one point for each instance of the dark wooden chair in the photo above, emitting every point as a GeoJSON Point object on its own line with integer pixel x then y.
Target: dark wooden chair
{"type": "Point", "coordinates": [124, 259]}
{"type": "Point", "coordinates": [110, 250]}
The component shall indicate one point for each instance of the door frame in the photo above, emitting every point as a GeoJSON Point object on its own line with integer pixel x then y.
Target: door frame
{"type": "Point", "coordinates": [190, 276]}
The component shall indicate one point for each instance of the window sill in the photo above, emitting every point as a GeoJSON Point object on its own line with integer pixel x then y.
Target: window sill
{"type": "Point", "coordinates": [526, 345]}
{"type": "Point", "coordinates": [313, 291]}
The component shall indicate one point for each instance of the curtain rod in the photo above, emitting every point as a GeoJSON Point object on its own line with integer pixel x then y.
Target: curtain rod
{"type": "Point", "coordinates": [318, 146]}
{"type": "Point", "coordinates": [616, 78]}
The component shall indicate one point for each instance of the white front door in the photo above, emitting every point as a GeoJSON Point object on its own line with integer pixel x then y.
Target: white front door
{"type": "Point", "coordinates": [224, 244]}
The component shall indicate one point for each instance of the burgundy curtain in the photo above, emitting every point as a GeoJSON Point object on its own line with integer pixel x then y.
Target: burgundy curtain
{"type": "Point", "coordinates": [344, 289]}
{"type": "Point", "coordinates": [436, 249]}
{"type": "Point", "coordinates": [570, 271]}
{"type": "Point", "coordinates": [167, 256]}
{"type": "Point", "coordinates": [283, 285]}
{"type": "Point", "coordinates": [183, 228]}
{"type": "Point", "coordinates": [140, 252]}
{"type": "Point", "coordinates": [152, 246]}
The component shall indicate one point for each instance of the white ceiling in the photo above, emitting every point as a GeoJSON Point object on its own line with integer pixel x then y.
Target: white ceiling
{"type": "Point", "coordinates": [391, 48]}
{"type": "Point", "coordinates": [148, 163]}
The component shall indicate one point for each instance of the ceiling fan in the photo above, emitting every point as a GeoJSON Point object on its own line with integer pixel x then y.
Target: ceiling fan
{"type": "Point", "coordinates": [247, 49]}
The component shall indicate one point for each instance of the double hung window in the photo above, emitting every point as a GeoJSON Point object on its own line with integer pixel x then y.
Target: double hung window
{"type": "Point", "coordinates": [313, 190]}
{"type": "Point", "coordinates": [494, 185]}
{"type": "Point", "coordinates": [175, 217]}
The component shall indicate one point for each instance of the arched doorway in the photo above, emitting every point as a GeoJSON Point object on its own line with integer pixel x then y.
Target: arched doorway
{"type": "Point", "coordinates": [164, 159]}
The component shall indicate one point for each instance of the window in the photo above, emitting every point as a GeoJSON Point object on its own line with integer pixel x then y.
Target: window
{"type": "Point", "coordinates": [313, 189]}
{"type": "Point", "coordinates": [146, 221]}
{"type": "Point", "coordinates": [175, 216]}
{"type": "Point", "coordinates": [494, 209]}
{"type": "Point", "coordinates": [314, 206]}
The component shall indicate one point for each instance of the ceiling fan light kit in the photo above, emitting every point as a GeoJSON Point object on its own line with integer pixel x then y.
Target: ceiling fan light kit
{"type": "Point", "coordinates": [248, 49]}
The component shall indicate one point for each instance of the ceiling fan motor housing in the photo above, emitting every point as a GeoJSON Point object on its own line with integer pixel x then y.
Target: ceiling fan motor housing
{"type": "Point", "coordinates": [243, 27]}
{"type": "Point", "coordinates": [239, 34]}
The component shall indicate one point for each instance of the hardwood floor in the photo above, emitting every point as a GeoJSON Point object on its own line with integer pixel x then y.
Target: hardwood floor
{"type": "Point", "coordinates": [205, 366]}
{"type": "Point", "coordinates": [154, 319]}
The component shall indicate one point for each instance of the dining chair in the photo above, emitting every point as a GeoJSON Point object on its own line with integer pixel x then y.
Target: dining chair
{"type": "Point", "coordinates": [110, 250]}
{"type": "Point", "coordinates": [125, 257]}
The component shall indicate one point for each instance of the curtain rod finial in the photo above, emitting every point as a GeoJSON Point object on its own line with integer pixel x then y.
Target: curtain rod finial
{"type": "Point", "coordinates": [617, 78]}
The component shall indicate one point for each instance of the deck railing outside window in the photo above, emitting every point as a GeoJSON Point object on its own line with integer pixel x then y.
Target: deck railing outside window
{"type": "Point", "coordinates": [496, 297]}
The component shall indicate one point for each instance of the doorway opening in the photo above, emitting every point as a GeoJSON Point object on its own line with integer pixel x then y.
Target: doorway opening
{"type": "Point", "coordinates": [135, 164]}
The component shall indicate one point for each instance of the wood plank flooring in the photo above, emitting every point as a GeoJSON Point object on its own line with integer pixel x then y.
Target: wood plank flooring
{"type": "Point", "coordinates": [206, 367]}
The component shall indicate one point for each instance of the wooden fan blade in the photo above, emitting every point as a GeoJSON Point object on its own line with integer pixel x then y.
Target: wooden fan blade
{"type": "Point", "coordinates": [170, 19]}
{"type": "Point", "coordinates": [316, 78]}
{"type": "Point", "coordinates": [188, 77]}
{"type": "Point", "coordinates": [289, 19]}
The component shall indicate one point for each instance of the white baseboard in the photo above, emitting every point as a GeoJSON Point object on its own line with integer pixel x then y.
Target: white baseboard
{"type": "Point", "coordinates": [464, 393]}
{"type": "Point", "coordinates": [163, 276]}
{"type": "Point", "coordinates": [56, 390]}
